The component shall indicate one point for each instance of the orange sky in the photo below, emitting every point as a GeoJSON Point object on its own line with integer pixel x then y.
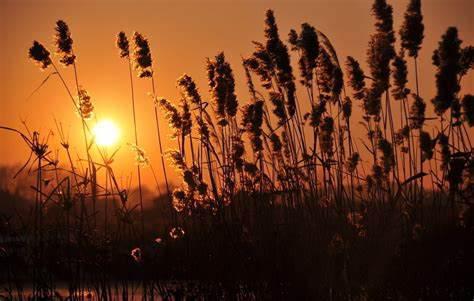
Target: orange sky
{"type": "Point", "coordinates": [181, 34]}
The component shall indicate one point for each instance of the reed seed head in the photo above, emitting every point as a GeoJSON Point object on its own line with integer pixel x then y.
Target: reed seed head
{"type": "Point", "coordinates": [468, 109]}
{"type": "Point", "coordinates": [275, 142]}
{"type": "Point", "coordinates": [379, 54]}
{"type": "Point", "coordinates": [40, 55]}
{"type": "Point", "coordinates": [238, 150]}
{"type": "Point", "coordinates": [347, 108]}
{"type": "Point", "coordinates": [308, 44]}
{"type": "Point", "coordinates": [388, 157]}
{"type": "Point", "coordinates": [186, 120]}
{"type": "Point", "coordinates": [279, 107]}
{"type": "Point", "coordinates": [123, 45]}
{"type": "Point", "coordinates": [426, 145]}
{"type": "Point", "coordinates": [293, 39]}
{"type": "Point", "coordinates": [325, 71]}
{"type": "Point", "coordinates": [203, 128]}
{"type": "Point", "coordinates": [189, 89]}
{"type": "Point", "coordinates": [175, 122]}
{"type": "Point", "coordinates": [142, 56]}
{"type": "Point", "coordinates": [326, 135]}
{"type": "Point", "coordinates": [261, 64]}
{"type": "Point", "coordinates": [455, 173]}
{"type": "Point", "coordinates": [383, 14]}
{"type": "Point", "coordinates": [411, 32]}
{"type": "Point", "coordinates": [372, 103]}
{"type": "Point", "coordinates": [252, 119]}
{"type": "Point", "coordinates": [467, 59]}
{"type": "Point", "coordinates": [352, 162]}
{"type": "Point", "coordinates": [317, 112]}
{"type": "Point", "coordinates": [400, 72]}
{"type": "Point", "coordinates": [417, 112]}
{"type": "Point", "coordinates": [446, 58]}
{"type": "Point", "coordinates": [356, 77]}
{"type": "Point", "coordinates": [63, 42]}
{"type": "Point", "coordinates": [248, 76]}
{"type": "Point", "coordinates": [86, 108]}
{"type": "Point", "coordinates": [222, 88]}
{"type": "Point", "coordinates": [140, 156]}
{"type": "Point", "coordinates": [177, 160]}
{"type": "Point", "coordinates": [280, 57]}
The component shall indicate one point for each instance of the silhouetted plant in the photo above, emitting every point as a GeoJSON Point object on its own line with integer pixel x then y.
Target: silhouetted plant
{"type": "Point", "coordinates": [417, 113]}
{"type": "Point", "coordinates": [468, 108]}
{"type": "Point", "coordinates": [222, 86]}
{"type": "Point", "coordinates": [40, 55]}
{"type": "Point", "coordinates": [400, 91]}
{"type": "Point", "coordinates": [466, 60]}
{"type": "Point", "coordinates": [356, 78]}
{"type": "Point", "coordinates": [308, 45]}
{"type": "Point", "coordinates": [278, 53]}
{"type": "Point", "coordinates": [280, 172]}
{"type": "Point", "coordinates": [252, 118]}
{"type": "Point", "coordinates": [411, 32]}
{"type": "Point", "coordinates": [123, 45]}
{"type": "Point", "coordinates": [86, 109]}
{"type": "Point", "coordinates": [446, 59]}
{"type": "Point", "coordinates": [63, 42]}
{"type": "Point", "coordinates": [142, 56]}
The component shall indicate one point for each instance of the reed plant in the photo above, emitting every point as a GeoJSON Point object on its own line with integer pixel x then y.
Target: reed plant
{"type": "Point", "coordinates": [259, 182]}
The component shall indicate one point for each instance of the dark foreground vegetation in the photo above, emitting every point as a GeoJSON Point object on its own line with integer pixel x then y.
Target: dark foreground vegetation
{"type": "Point", "coordinates": [279, 199]}
{"type": "Point", "coordinates": [256, 251]}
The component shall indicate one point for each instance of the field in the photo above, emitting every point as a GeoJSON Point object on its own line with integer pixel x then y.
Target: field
{"type": "Point", "coordinates": [276, 197]}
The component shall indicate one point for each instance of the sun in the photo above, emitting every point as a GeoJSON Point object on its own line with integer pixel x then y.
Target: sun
{"type": "Point", "coordinates": [106, 133]}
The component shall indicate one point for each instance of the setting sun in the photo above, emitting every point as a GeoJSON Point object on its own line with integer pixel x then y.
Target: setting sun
{"type": "Point", "coordinates": [106, 133]}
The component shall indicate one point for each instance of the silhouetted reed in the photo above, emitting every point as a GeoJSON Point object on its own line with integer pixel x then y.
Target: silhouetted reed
{"type": "Point", "coordinates": [283, 171]}
{"type": "Point", "coordinates": [142, 56]}
{"type": "Point", "coordinates": [411, 32]}
{"type": "Point", "coordinates": [63, 42]}
{"type": "Point", "coordinates": [142, 62]}
{"type": "Point", "coordinates": [446, 59]}
{"type": "Point", "coordinates": [40, 55]}
{"type": "Point", "coordinates": [468, 109]}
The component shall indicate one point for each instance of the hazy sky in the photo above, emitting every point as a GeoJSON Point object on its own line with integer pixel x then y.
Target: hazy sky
{"type": "Point", "coordinates": [182, 34]}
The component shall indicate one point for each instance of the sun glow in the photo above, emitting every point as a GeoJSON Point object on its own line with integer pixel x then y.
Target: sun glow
{"type": "Point", "coordinates": [106, 133]}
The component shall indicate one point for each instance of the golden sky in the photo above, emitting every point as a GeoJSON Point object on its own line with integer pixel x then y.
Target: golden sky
{"type": "Point", "coordinates": [181, 34]}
